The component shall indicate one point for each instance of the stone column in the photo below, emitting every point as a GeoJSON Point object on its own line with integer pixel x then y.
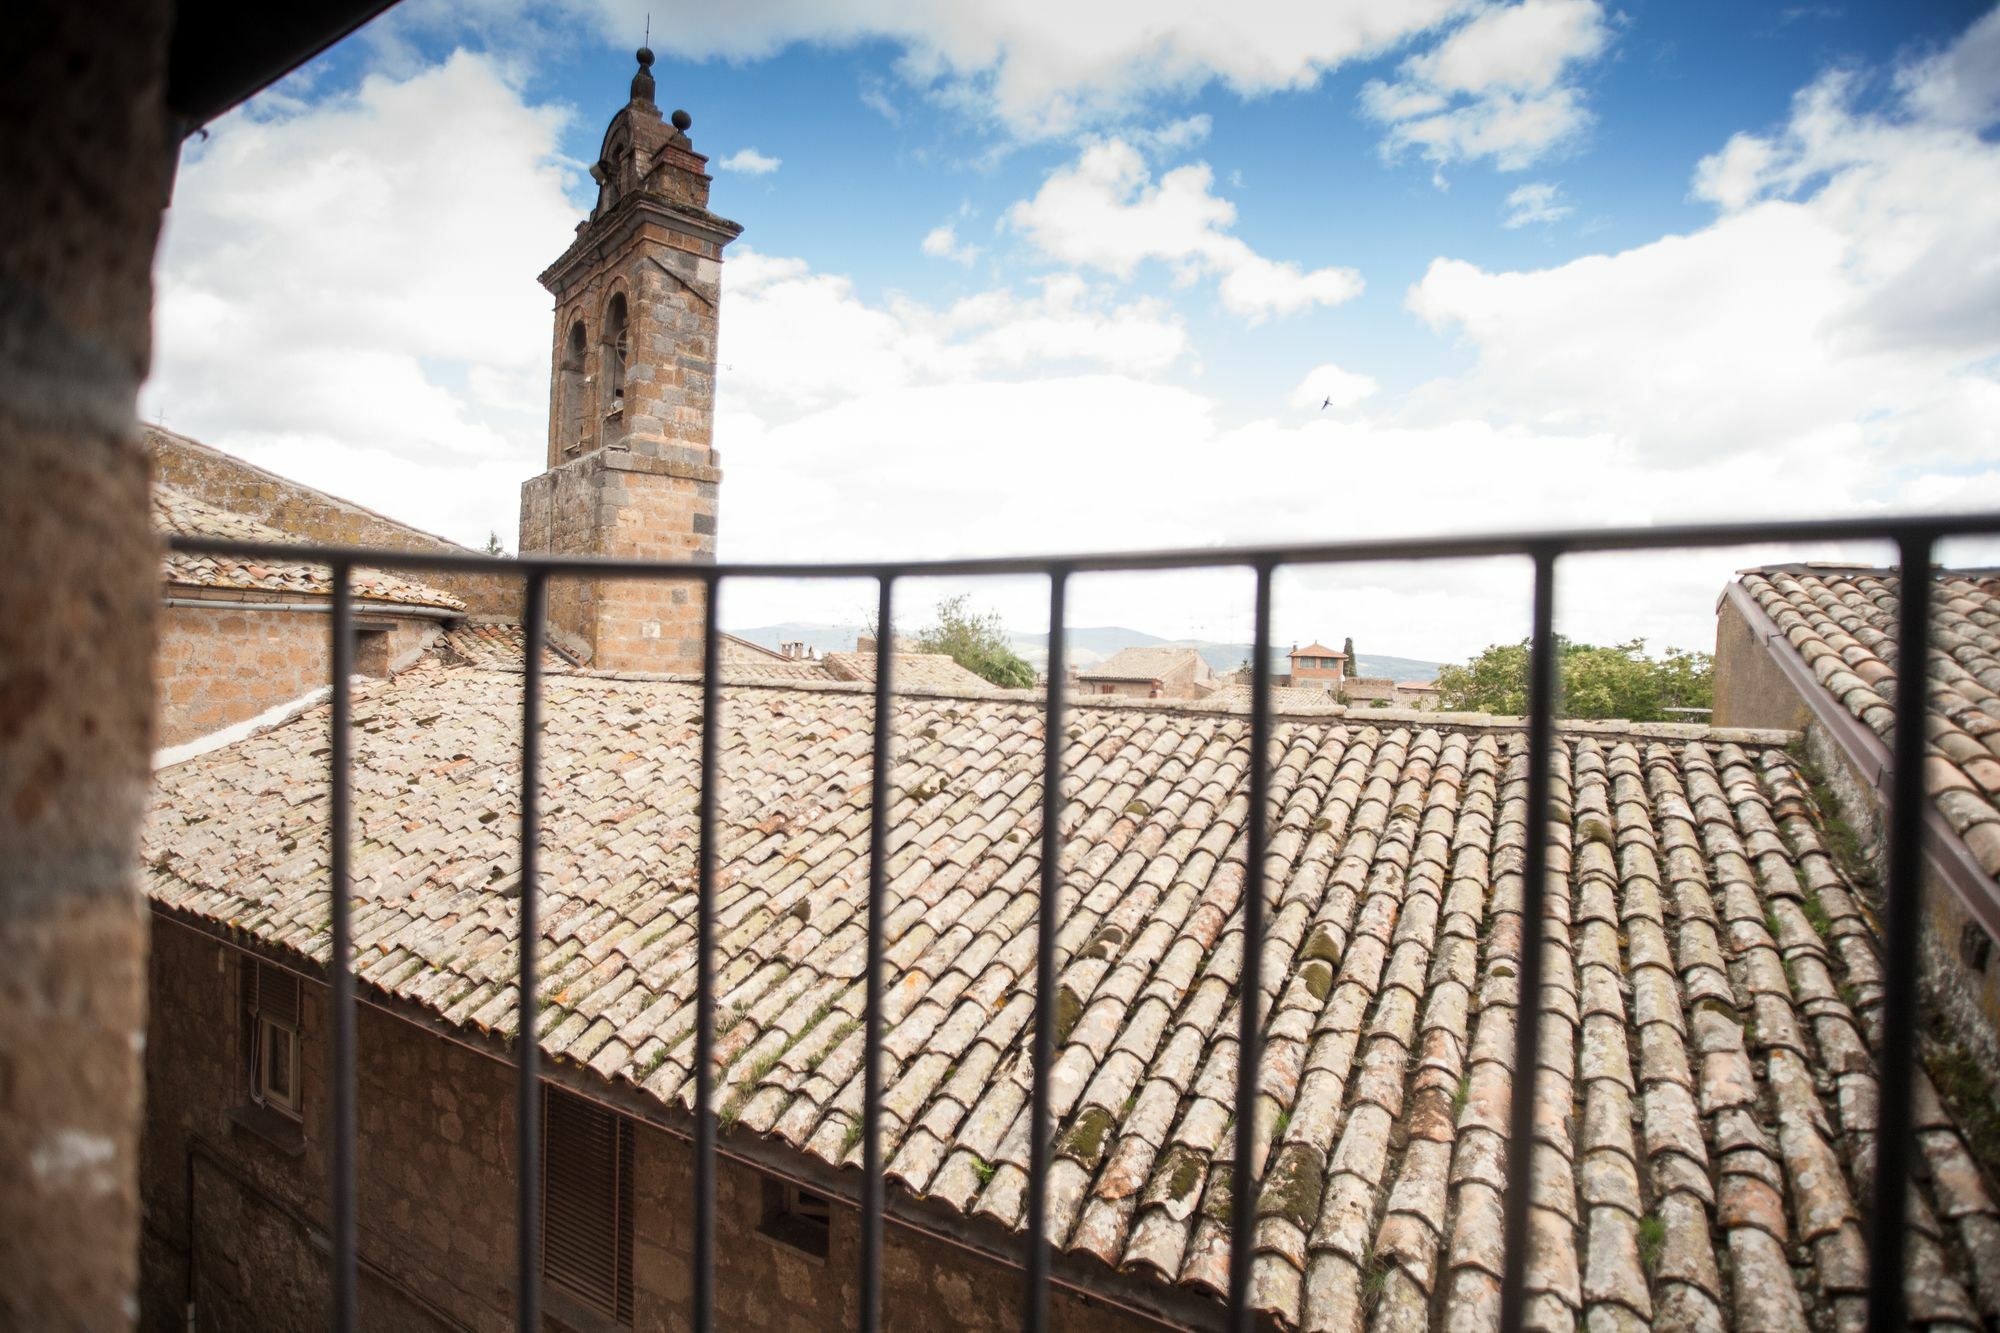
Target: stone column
{"type": "Point", "coordinates": [85, 166]}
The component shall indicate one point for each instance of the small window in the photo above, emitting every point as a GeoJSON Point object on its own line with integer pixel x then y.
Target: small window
{"type": "Point", "coordinates": [797, 1217]}
{"type": "Point", "coordinates": [271, 1029]}
{"type": "Point", "coordinates": [574, 385]}
{"type": "Point", "coordinates": [587, 1203]}
{"type": "Point", "coordinates": [617, 351]}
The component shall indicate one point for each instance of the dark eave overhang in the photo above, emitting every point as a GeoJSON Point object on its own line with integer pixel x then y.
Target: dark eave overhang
{"type": "Point", "coordinates": [1945, 854]}
{"type": "Point", "coordinates": [222, 54]}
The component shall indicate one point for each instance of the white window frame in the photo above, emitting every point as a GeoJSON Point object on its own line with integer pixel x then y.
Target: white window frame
{"type": "Point", "coordinates": [271, 1033]}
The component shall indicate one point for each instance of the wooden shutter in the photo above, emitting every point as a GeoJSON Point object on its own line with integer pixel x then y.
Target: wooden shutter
{"type": "Point", "coordinates": [587, 1202]}
{"type": "Point", "coordinates": [277, 995]}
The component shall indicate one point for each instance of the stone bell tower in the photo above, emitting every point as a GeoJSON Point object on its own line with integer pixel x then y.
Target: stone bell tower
{"type": "Point", "coordinates": [632, 471]}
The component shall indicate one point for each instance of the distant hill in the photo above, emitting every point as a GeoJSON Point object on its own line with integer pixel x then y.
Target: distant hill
{"type": "Point", "coordinates": [1089, 645]}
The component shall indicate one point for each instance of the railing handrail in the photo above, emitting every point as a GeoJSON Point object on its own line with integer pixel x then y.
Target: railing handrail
{"type": "Point", "coordinates": [1572, 541]}
{"type": "Point", "coordinates": [1914, 536]}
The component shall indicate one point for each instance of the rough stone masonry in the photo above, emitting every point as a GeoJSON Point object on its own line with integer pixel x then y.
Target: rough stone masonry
{"type": "Point", "coordinates": [632, 469]}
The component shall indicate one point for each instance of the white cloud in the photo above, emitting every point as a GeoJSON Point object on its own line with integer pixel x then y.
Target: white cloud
{"type": "Point", "coordinates": [1047, 68]}
{"type": "Point", "coordinates": [1845, 301]}
{"type": "Point", "coordinates": [1499, 86]}
{"type": "Point", "coordinates": [1329, 386]}
{"type": "Point", "coordinates": [796, 340]}
{"type": "Point", "coordinates": [1538, 202]}
{"type": "Point", "coordinates": [1792, 357]}
{"type": "Point", "coordinates": [1106, 211]}
{"type": "Point", "coordinates": [1960, 85]}
{"type": "Point", "coordinates": [351, 301]}
{"type": "Point", "coordinates": [347, 291]}
{"type": "Point", "coordinates": [750, 162]}
{"type": "Point", "coordinates": [941, 242]}
{"type": "Point", "coordinates": [1172, 137]}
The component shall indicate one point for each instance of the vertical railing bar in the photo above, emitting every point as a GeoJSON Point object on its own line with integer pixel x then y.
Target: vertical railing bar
{"type": "Point", "coordinates": [871, 1041]}
{"type": "Point", "coordinates": [1036, 1314]}
{"type": "Point", "coordinates": [1542, 665]}
{"type": "Point", "coordinates": [1250, 1024]}
{"type": "Point", "coordinates": [704, 1003]}
{"type": "Point", "coordinates": [1894, 1115]}
{"type": "Point", "coordinates": [340, 966]}
{"type": "Point", "coordinates": [527, 1041]}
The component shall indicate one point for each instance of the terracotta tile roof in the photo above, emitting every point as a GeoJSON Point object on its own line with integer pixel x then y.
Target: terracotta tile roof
{"type": "Point", "coordinates": [928, 672]}
{"type": "Point", "coordinates": [177, 513]}
{"type": "Point", "coordinates": [747, 670]}
{"type": "Point", "coordinates": [493, 646]}
{"type": "Point", "coordinates": [1144, 664]}
{"type": "Point", "coordinates": [1842, 621]}
{"type": "Point", "coordinates": [1316, 650]}
{"type": "Point", "coordinates": [736, 648]}
{"type": "Point", "coordinates": [1713, 982]}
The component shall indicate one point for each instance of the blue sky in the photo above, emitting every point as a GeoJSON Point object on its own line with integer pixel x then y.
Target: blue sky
{"type": "Point", "coordinates": [1557, 262]}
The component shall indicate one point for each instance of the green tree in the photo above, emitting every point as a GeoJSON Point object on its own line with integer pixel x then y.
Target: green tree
{"type": "Point", "coordinates": [1353, 662]}
{"type": "Point", "coordinates": [976, 642]}
{"type": "Point", "coordinates": [493, 546]}
{"type": "Point", "coordinates": [1619, 681]}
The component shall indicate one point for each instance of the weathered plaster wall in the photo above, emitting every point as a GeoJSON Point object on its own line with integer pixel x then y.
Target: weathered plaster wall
{"type": "Point", "coordinates": [244, 488]}
{"type": "Point", "coordinates": [1750, 689]}
{"type": "Point", "coordinates": [436, 1196]}
{"type": "Point", "coordinates": [84, 172]}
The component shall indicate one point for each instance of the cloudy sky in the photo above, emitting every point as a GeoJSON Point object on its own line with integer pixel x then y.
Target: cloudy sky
{"type": "Point", "coordinates": [1030, 276]}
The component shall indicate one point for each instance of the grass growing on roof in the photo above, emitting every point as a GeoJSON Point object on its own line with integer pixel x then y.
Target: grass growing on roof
{"type": "Point", "coordinates": [1652, 1240]}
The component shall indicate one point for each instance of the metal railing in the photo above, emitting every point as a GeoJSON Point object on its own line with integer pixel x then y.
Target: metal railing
{"type": "Point", "coordinates": [1914, 537]}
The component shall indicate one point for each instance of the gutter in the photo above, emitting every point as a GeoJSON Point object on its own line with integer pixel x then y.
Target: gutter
{"type": "Point", "coordinates": [361, 608]}
{"type": "Point", "coordinates": [1945, 854]}
{"type": "Point", "coordinates": [1081, 1275]}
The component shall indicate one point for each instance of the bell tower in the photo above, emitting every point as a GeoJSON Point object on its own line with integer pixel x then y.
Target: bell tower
{"type": "Point", "coordinates": [632, 469]}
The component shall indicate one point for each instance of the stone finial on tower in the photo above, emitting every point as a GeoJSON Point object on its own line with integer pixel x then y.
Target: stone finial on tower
{"type": "Point", "coordinates": [642, 82]}
{"type": "Point", "coordinates": [632, 471]}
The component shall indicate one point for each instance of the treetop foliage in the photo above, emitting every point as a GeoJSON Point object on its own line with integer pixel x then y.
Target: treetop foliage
{"type": "Point", "coordinates": [1618, 681]}
{"type": "Point", "coordinates": [978, 643]}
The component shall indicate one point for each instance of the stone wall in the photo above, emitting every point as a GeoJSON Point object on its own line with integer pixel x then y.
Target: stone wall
{"type": "Point", "coordinates": [291, 506]}
{"type": "Point", "coordinates": [85, 167]}
{"type": "Point", "coordinates": [1750, 688]}
{"type": "Point", "coordinates": [627, 505]}
{"type": "Point", "coordinates": [436, 1196]}
{"type": "Point", "coordinates": [219, 667]}
{"type": "Point", "coordinates": [1966, 995]}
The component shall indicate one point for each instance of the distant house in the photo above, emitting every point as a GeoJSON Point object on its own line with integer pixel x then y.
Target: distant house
{"type": "Point", "coordinates": [1369, 692]}
{"type": "Point", "coordinates": [1317, 666]}
{"type": "Point", "coordinates": [1419, 694]}
{"type": "Point", "coordinates": [1149, 673]}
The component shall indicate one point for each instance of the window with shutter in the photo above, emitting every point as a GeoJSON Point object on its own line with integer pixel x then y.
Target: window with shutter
{"type": "Point", "coordinates": [587, 1203]}
{"type": "Point", "coordinates": [271, 1035]}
